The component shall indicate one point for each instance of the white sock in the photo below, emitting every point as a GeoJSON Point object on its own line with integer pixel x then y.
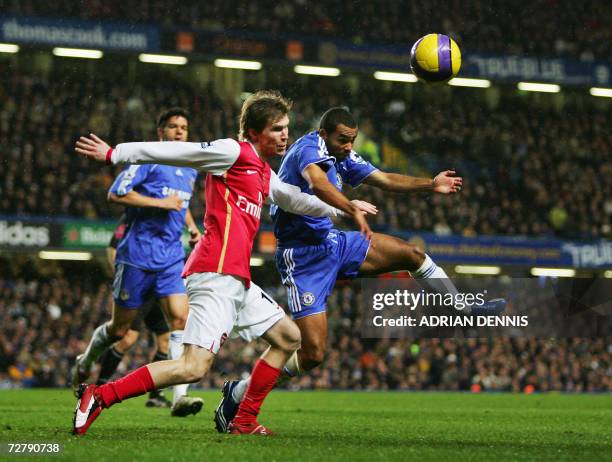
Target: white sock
{"type": "Point", "coordinates": [176, 351]}
{"type": "Point", "coordinates": [240, 389]}
{"type": "Point", "coordinates": [100, 341]}
{"type": "Point", "coordinates": [434, 279]}
{"type": "Point", "coordinates": [292, 366]}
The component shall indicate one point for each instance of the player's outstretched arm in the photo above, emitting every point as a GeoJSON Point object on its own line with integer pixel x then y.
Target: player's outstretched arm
{"type": "Point", "coordinates": [289, 198]}
{"type": "Point", "coordinates": [215, 157]}
{"type": "Point", "coordinates": [135, 199]}
{"type": "Point", "coordinates": [445, 182]}
{"type": "Point", "coordinates": [324, 190]}
{"type": "Point", "coordinates": [93, 148]}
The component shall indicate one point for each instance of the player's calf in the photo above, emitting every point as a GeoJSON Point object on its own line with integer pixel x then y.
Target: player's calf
{"type": "Point", "coordinates": [118, 331]}
{"type": "Point", "coordinates": [314, 342]}
{"type": "Point", "coordinates": [412, 256]}
{"type": "Point", "coordinates": [190, 370]}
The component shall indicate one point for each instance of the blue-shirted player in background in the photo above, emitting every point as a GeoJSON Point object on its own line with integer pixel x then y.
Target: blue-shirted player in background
{"type": "Point", "coordinates": [312, 255]}
{"type": "Point", "coordinates": [150, 257]}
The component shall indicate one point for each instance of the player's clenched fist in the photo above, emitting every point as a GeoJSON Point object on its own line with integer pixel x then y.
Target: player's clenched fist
{"type": "Point", "coordinates": [194, 237]}
{"type": "Point", "coordinates": [93, 147]}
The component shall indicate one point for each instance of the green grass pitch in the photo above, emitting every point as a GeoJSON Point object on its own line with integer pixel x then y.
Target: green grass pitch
{"type": "Point", "coordinates": [326, 426]}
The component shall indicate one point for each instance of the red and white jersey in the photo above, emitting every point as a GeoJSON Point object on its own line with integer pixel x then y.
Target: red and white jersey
{"type": "Point", "coordinates": [238, 183]}
{"type": "Point", "coordinates": [234, 202]}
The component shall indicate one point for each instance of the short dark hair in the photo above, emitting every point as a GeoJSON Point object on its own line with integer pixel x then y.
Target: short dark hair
{"type": "Point", "coordinates": [163, 118]}
{"type": "Point", "coordinates": [260, 108]}
{"type": "Point", "coordinates": [336, 116]}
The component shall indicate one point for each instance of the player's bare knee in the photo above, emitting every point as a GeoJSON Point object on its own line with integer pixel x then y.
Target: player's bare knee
{"type": "Point", "coordinates": [178, 322]}
{"type": "Point", "coordinates": [284, 336]}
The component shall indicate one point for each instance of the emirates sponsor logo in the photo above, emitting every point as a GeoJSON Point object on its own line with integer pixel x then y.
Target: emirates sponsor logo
{"type": "Point", "coordinates": [249, 207]}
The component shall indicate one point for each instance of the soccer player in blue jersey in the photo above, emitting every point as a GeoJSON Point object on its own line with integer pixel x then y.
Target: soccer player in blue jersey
{"type": "Point", "coordinates": [149, 259]}
{"type": "Point", "coordinates": [150, 314]}
{"type": "Point", "coordinates": [311, 254]}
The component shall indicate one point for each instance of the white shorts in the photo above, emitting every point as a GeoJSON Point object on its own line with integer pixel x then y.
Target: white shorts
{"type": "Point", "coordinates": [221, 306]}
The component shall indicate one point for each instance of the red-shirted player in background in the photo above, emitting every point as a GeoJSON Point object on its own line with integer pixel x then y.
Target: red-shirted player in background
{"type": "Point", "coordinates": [222, 298]}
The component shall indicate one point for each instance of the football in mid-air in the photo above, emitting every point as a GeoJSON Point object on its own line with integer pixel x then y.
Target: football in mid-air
{"type": "Point", "coordinates": [435, 58]}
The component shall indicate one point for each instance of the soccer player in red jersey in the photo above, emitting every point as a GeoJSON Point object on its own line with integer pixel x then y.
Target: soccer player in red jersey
{"type": "Point", "coordinates": [223, 301]}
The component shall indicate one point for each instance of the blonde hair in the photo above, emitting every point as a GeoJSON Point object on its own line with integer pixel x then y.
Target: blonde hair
{"type": "Point", "coordinates": [261, 108]}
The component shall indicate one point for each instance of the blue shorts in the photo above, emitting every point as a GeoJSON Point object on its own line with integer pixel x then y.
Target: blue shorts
{"type": "Point", "coordinates": [309, 273]}
{"type": "Point", "coordinates": [132, 286]}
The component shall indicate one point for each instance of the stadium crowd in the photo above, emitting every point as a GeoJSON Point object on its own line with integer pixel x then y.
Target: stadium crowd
{"type": "Point", "coordinates": [528, 168]}
{"type": "Point", "coordinates": [46, 320]}
{"type": "Point", "coordinates": [579, 29]}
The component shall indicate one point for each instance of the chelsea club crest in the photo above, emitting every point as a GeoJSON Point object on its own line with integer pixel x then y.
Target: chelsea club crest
{"type": "Point", "coordinates": [308, 298]}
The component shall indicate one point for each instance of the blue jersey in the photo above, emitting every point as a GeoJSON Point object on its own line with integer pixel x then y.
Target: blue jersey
{"type": "Point", "coordinates": [292, 229]}
{"type": "Point", "coordinates": [153, 240]}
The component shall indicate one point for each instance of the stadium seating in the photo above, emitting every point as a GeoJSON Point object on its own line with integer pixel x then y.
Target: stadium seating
{"type": "Point", "coordinates": [46, 320]}
{"type": "Point", "coordinates": [579, 29]}
{"type": "Point", "coordinates": [527, 172]}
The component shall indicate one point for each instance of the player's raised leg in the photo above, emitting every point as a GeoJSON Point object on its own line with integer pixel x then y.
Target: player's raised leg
{"type": "Point", "coordinates": [389, 253]}
{"type": "Point", "coordinates": [190, 368]}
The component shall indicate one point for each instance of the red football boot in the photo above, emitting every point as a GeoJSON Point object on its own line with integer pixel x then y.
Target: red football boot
{"type": "Point", "coordinates": [251, 428]}
{"type": "Point", "coordinates": [88, 408]}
